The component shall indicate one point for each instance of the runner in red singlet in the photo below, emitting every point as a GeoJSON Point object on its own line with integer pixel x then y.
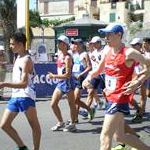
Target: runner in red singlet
{"type": "Point", "coordinates": [118, 62]}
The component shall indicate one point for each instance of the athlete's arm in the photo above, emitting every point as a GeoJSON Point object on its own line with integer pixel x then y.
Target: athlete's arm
{"type": "Point", "coordinates": [88, 65]}
{"type": "Point", "coordinates": [97, 72]}
{"type": "Point", "coordinates": [86, 83]}
{"type": "Point", "coordinates": [68, 70]}
{"type": "Point", "coordinates": [134, 55]}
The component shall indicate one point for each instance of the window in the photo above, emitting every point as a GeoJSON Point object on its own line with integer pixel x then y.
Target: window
{"type": "Point", "coordinates": [71, 7]}
{"type": "Point", "coordinates": [45, 7]}
{"type": "Point", "coordinates": [94, 3]}
{"type": "Point", "coordinates": [112, 17]}
{"type": "Point", "coordinates": [113, 5]}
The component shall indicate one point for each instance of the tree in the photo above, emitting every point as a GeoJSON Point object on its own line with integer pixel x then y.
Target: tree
{"type": "Point", "coordinates": [56, 22]}
{"type": "Point", "coordinates": [34, 19]}
{"type": "Point", "coordinates": [8, 12]}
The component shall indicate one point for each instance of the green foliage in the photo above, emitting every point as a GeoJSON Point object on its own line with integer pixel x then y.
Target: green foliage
{"type": "Point", "coordinates": [8, 10]}
{"type": "Point", "coordinates": [135, 27]}
{"type": "Point", "coordinates": [34, 19]}
{"type": "Point", "coordinates": [56, 22]}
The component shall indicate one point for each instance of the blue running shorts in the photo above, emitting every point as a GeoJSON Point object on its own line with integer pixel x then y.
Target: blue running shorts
{"type": "Point", "coordinates": [112, 108]}
{"type": "Point", "coordinates": [65, 85]}
{"type": "Point", "coordinates": [78, 82]}
{"type": "Point", "coordinates": [20, 104]}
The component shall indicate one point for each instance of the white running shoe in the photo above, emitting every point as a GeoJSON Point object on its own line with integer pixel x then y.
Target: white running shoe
{"type": "Point", "coordinates": [70, 128]}
{"type": "Point", "coordinates": [133, 148]}
{"type": "Point", "coordinates": [58, 126]}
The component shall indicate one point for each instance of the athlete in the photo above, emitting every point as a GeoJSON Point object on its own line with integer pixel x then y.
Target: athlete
{"type": "Point", "coordinates": [81, 67]}
{"type": "Point", "coordinates": [64, 86]}
{"type": "Point", "coordinates": [118, 62]}
{"type": "Point", "coordinates": [23, 94]}
{"type": "Point", "coordinates": [95, 57]}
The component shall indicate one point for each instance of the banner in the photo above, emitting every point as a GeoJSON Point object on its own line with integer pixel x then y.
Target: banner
{"type": "Point", "coordinates": [21, 9]}
{"type": "Point", "coordinates": [44, 87]}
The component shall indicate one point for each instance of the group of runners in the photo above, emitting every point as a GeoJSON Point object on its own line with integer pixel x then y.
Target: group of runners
{"type": "Point", "coordinates": [111, 68]}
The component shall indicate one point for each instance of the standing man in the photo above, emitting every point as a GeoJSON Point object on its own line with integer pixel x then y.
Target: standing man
{"type": "Point", "coordinates": [3, 62]}
{"type": "Point", "coordinates": [118, 62]}
{"type": "Point", "coordinates": [23, 94]}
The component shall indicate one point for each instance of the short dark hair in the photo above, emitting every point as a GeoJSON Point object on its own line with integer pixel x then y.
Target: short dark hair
{"type": "Point", "coordinates": [146, 39]}
{"type": "Point", "coordinates": [19, 37]}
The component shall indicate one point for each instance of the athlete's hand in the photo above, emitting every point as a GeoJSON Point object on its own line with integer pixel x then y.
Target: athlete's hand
{"type": "Point", "coordinates": [50, 75]}
{"type": "Point", "coordinates": [131, 87]}
{"type": "Point", "coordinates": [93, 58]}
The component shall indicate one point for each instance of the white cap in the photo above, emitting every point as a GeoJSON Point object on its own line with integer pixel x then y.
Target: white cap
{"type": "Point", "coordinates": [2, 48]}
{"type": "Point", "coordinates": [135, 41]}
{"type": "Point", "coordinates": [64, 39]}
{"type": "Point", "coordinates": [96, 39]}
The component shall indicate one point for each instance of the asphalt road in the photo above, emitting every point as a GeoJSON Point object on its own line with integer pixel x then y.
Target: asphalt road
{"type": "Point", "coordinates": [85, 138]}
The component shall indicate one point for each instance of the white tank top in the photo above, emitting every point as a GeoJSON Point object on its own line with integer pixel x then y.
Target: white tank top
{"type": "Point", "coordinates": [79, 62]}
{"type": "Point", "coordinates": [29, 91]}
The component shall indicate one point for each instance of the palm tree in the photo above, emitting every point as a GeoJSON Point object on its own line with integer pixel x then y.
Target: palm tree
{"type": "Point", "coordinates": [8, 12]}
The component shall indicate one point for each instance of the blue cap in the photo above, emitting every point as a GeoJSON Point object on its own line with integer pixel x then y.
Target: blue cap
{"type": "Point", "coordinates": [80, 41]}
{"type": "Point", "coordinates": [112, 28]}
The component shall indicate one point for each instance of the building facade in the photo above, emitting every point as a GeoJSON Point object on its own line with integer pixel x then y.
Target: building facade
{"type": "Point", "coordinates": [63, 9]}
{"type": "Point", "coordinates": [123, 11]}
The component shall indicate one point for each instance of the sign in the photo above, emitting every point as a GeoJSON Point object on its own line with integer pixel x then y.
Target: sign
{"type": "Point", "coordinates": [71, 32]}
{"type": "Point", "coordinates": [41, 53]}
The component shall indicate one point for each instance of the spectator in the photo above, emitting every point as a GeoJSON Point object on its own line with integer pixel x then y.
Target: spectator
{"type": "Point", "coordinates": [3, 63]}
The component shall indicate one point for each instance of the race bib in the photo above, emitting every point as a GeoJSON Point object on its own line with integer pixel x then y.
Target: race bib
{"type": "Point", "coordinates": [110, 83]}
{"type": "Point", "coordinates": [76, 68]}
{"type": "Point", "coordinates": [59, 71]}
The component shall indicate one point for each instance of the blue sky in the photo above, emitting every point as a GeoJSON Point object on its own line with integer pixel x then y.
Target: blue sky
{"type": "Point", "coordinates": [32, 4]}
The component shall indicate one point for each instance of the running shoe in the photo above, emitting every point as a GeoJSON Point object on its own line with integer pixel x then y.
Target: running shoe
{"type": "Point", "coordinates": [21, 148]}
{"type": "Point", "coordinates": [137, 119]}
{"type": "Point", "coordinates": [58, 126]}
{"type": "Point", "coordinates": [69, 121]}
{"type": "Point", "coordinates": [83, 113]}
{"type": "Point", "coordinates": [134, 148]}
{"type": "Point", "coordinates": [91, 113]}
{"type": "Point", "coordinates": [119, 147]}
{"type": "Point", "coordinates": [70, 128]}
{"type": "Point", "coordinates": [147, 129]}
